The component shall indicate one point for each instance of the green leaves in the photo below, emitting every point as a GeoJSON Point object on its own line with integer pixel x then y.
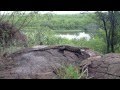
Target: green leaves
{"type": "Point", "coordinates": [71, 72]}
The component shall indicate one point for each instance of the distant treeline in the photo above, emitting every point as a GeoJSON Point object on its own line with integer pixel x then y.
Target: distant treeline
{"type": "Point", "coordinates": [85, 22]}
{"type": "Point", "coordinates": [65, 22]}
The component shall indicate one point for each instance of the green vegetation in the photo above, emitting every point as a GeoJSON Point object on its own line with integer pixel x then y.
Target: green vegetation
{"type": "Point", "coordinates": [41, 29]}
{"type": "Point", "coordinates": [71, 72]}
{"type": "Point", "coordinates": [46, 36]}
{"type": "Point", "coordinates": [48, 25]}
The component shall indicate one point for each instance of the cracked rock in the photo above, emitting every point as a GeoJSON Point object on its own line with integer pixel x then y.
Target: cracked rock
{"type": "Point", "coordinates": [107, 67]}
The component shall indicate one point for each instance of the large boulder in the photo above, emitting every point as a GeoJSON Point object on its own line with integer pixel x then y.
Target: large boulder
{"type": "Point", "coordinates": [106, 67]}
{"type": "Point", "coordinates": [39, 62]}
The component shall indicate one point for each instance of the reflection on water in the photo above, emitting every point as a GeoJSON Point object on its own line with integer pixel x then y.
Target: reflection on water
{"type": "Point", "coordinates": [81, 35]}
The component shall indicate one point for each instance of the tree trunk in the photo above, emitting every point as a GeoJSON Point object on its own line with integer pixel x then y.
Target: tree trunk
{"type": "Point", "coordinates": [112, 21]}
{"type": "Point", "coordinates": [107, 36]}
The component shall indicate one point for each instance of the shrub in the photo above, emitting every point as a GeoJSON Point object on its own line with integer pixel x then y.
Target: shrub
{"type": "Point", "coordinates": [71, 72]}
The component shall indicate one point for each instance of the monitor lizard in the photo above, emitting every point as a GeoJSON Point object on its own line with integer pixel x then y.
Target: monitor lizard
{"type": "Point", "coordinates": [59, 47]}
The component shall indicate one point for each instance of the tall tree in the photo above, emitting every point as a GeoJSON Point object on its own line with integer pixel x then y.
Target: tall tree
{"type": "Point", "coordinates": [109, 24]}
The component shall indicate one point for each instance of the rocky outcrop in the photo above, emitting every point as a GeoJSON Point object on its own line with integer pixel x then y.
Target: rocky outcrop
{"type": "Point", "coordinates": [106, 67]}
{"type": "Point", "coordinates": [40, 62]}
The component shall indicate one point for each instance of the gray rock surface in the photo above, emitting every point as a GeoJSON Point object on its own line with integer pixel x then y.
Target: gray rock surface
{"type": "Point", "coordinates": [38, 64]}
{"type": "Point", "coordinates": [106, 67]}
{"type": "Point", "coordinates": [42, 64]}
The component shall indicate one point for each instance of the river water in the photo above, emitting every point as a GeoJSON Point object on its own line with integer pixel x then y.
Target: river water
{"type": "Point", "coordinates": [81, 35]}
